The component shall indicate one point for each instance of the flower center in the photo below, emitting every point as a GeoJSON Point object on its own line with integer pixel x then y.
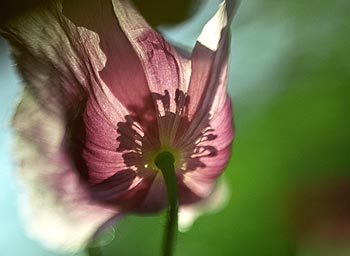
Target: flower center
{"type": "Point", "coordinates": [144, 138]}
{"type": "Point", "coordinates": [165, 153]}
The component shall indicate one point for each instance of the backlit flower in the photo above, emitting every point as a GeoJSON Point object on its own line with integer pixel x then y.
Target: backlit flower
{"type": "Point", "coordinates": [104, 94]}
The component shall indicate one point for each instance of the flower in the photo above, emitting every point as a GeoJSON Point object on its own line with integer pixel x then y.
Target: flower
{"type": "Point", "coordinates": [104, 94]}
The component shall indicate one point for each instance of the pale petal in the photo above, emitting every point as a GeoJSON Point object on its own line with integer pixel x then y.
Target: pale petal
{"type": "Point", "coordinates": [55, 204]}
{"type": "Point", "coordinates": [211, 33]}
{"type": "Point", "coordinates": [67, 126]}
{"type": "Point", "coordinates": [213, 203]}
{"type": "Point", "coordinates": [209, 65]}
{"type": "Point", "coordinates": [45, 47]}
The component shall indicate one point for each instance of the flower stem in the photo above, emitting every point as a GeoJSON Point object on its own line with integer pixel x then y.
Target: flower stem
{"type": "Point", "coordinates": [165, 162]}
{"type": "Point", "coordinates": [90, 251]}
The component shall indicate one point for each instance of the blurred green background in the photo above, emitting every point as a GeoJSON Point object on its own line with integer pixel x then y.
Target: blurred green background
{"type": "Point", "coordinates": [289, 174]}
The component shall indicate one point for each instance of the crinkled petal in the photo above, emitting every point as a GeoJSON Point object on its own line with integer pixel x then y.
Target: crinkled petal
{"type": "Point", "coordinates": [55, 204]}
{"type": "Point", "coordinates": [60, 47]}
{"type": "Point", "coordinates": [70, 123]}
{"type": "Point", "coordinates": [44, 47]}
{"type": "Point", "coordinates": [84, 71]}
{"type": "Point", "coordinates": [165, 69]}
{"type": "Point", "coordinates": [123, 72]}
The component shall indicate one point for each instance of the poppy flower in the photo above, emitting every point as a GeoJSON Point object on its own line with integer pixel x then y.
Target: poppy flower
{"type": "Point", "coordinates": [104, 94]}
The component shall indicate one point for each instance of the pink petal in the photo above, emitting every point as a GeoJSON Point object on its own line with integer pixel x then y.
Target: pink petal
{"type": "Point", "coordinates": [123, 72]}
{"type": "Point", "coordinates": [214, 157]}
{"type": "Point", "coordinates": [67, 125]}
{"type": "Point", "coordinates": [209, 109]}
{"type": "Point", "coordinates": [156, 197]}
{"type": "Point", "coordinates": [98, 147]}
{"type": "Point", "coordinates": [76, 73]}
{"type": "Point", "coordinates": [165, 69]}
{"type": "Point", "coordinates": [207, 88]}
{"type": "Point", "coordinates": [222, 124]}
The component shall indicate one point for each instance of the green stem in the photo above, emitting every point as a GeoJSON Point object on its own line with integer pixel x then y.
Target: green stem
{"type": "Point", "coordinates": [93, 250]}
{"type": "Point", "coordinates": [165, 162]}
